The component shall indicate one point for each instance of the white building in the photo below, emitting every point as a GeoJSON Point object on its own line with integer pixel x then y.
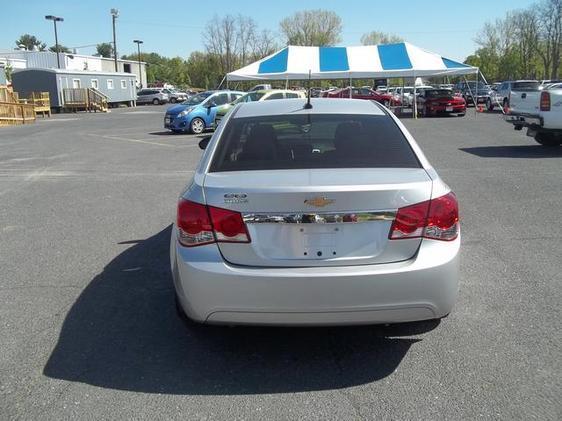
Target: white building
{"type": "Point", "coordinates": [22, 59]}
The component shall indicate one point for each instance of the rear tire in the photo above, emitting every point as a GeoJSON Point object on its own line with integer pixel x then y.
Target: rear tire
{"type": "Point", "coordinates": [489, 105]}
{"type": "Point", "coordinates": [549, 140]}
{"type": "Point", "coordinates": [156, 101]}
{"type": "Point", "coordinates": [173, 100]}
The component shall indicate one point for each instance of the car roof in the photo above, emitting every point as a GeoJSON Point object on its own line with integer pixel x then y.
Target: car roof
{"type": "Point", "coordinates": [223, 91]}
{"type": "Point", "coordinates": [319, 106]}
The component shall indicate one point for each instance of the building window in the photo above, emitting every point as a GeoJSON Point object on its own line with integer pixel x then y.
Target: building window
{"type": "Point", "coordinates": [76, 84]}
{"type": "Point", "coordinates": [127, 67]}
{"type": "Point", "coordinates": [109, 83]}
{"type": "Point", "coordinates": [123, 84]}
{"type": "Point", "coordinates": [95, 84]}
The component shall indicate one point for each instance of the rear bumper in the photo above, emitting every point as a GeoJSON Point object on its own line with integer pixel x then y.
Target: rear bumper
{"type": "Point", "coordinates": [480, 99]}
{"type": "Point", "coordinates": [524, 119]}
{"type": "Point", "coordinates": [213, 291]}
{"type": "Point", "coordinates": [444, 108]}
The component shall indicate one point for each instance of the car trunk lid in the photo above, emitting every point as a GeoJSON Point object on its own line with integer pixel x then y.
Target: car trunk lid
{"type": "Point", "coordinates": [318, 217]}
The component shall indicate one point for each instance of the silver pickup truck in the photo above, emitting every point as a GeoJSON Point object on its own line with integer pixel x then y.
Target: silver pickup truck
{"type": "Point", "coordinates": [539, 109]}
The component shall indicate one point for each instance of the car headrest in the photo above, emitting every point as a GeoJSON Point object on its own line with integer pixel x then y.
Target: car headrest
{"type": "Point", "coordinates": [261, 144]}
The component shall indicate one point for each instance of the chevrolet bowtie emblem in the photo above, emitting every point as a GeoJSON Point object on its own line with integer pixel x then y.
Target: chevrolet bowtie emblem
{"type": "Point", "coordinates": [319, 202]}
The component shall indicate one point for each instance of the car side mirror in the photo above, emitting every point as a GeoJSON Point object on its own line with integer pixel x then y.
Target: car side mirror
{"type": "Point", "coordinates": [211, 104]}
{"type": "Point", "coordinates": [203, 143]}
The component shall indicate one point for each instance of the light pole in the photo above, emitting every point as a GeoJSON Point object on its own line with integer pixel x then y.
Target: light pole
{"type": "Point", "coordinates": [56, 19]}
{"type": "Point", "coordinates": [114, 15]}
{"type": "Point", "coordinates": [139, 42]}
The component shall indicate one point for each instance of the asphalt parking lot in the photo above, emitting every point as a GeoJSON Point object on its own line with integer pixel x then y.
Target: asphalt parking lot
{"type": "Point", "coordinates": [89, 328]}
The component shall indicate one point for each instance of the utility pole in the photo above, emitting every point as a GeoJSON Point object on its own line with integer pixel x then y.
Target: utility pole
{"type": "Point", "coordinates": [114, 15]}
{"type": "Point", "coordinates": [139, 42]}
{"type": "Point", "coordinates": [56, 19]}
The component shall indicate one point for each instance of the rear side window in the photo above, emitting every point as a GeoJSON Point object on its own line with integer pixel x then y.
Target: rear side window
{"type": "Point", "coordinates": [312, 141]}
{"type": "Point", "coordinates": [277, 95]}
{"type": "Point", "coordinates": [526, 86]}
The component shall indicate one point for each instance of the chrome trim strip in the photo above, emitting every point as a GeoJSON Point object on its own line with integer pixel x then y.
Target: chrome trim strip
{"type": "Point", "coordinates": [319, 218]}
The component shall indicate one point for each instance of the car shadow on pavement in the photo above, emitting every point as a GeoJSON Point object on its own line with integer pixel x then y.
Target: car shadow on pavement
{"type": "Point", "coordinates": [516, 151]}
{"type": "Point", "coordinates": [165, 133]}
{"type": "Point", "coordinates": [123, 333]}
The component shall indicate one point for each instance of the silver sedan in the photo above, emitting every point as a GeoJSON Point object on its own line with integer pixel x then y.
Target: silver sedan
{"type": "Point", "coordinates": [319, 214]}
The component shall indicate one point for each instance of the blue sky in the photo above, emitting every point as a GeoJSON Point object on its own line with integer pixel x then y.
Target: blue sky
{"type": "Point", "coordinates": [174, 28]}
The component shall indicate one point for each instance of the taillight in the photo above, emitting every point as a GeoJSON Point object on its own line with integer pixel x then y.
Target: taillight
{"type": "Point", "coordinates": [545, 101]}
{"type": "Point", "coordinates": [437, 219]}
{"type": "Point", "coordinates": [228, 226]}
{"type": "Point", "coordinates": [199, 224]}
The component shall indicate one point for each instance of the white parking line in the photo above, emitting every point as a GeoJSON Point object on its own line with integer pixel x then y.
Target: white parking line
{"type": "Point", "coordinates": [126, 139]}
{"type": "Point", "coordinates": [143, 112]}
{"type": "Point", "coordinates": [52, 120]}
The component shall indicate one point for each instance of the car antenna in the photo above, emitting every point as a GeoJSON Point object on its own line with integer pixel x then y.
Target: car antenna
{"type": "Point", "coordinates": [308, 105]}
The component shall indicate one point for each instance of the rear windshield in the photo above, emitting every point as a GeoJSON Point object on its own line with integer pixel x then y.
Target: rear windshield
{"type": "Point", "coordinates": [439, 93]}
{"type": "Point", "coordinates": [312, 141]}
{"type": "Point", "coordinates": [526, 86]}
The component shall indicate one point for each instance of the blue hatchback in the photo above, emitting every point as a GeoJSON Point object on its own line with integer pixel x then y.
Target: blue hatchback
{"type": "Point", "coordinates": [198, 112]}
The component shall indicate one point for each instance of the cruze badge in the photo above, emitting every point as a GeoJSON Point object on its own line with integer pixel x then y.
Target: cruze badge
{"type": "Point", "coordinates": [235, 198]}
{"type": "Point", "coordinates": [319, 202]}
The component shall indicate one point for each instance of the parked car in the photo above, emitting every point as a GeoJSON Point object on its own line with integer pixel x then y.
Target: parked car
{"type": "Point", "coordinates": [152, 96]}
{"type": "Point", "coordinates": [327, 215]}
{"type": "Point", "coordinates": [540, 111]}
{"type": "Point", "coordinates": [440, 101]}
{"type": "Point", "coordinates": [361, 93]}
{"type": "Point", "coordinates": [197, 113]}
{"type": "Point", "coordinates": [506, 88]}
{"type": "Point", "coordinates": [264, 95]}
{"type": "Point", "coordinates": [175, 95]}
{"type": "Point", "coordinates": [469, 89]}
{"type": "Point", "coordinates": [315, 92]}
{"type": "Point", "coordinates": [262, 87]}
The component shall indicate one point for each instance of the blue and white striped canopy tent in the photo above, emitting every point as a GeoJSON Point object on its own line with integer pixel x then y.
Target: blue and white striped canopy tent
{"type": "Point", "coordinates": [361, 62]}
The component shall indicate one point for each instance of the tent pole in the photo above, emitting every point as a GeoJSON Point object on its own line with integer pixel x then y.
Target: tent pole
{"type": "Point", "coordinates": [350, 86]}
{"type": "Point", "coordinates": [476, 100]}
{"type": "Point", "coordinates": [415, 99]}
{"type": "Point", "coordinates": [402, 98]}
{"type": "Point", "coordinates": [470, 91]}
{"type": "Point", "coordinates": [220, 84]}
{"type": "Point", "coordinates": [287, 83]}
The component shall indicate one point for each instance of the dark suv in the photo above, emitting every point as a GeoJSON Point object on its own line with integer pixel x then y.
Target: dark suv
{"type": "Point", "coordinates": [469, 89]}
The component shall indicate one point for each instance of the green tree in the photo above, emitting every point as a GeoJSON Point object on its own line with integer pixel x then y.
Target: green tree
{"type": "Point", "coordinates": [8, 70]}
{"type": "Point", "coordinates": [30, 43]}
{"type": "Point", "coordinates": [312, 27]}
{"type": "Point", "coordinates": [61, 49]}
{"type": "Point", "coordinates": [376, 37]}
{"type": "Point", "coordinates": [524, 44]}
{"type": "Point", "coordinates": [105, 49]}
{"type": "Point", "coordinates": [203, 69]}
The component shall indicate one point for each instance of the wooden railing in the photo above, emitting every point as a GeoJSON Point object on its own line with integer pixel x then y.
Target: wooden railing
{"type": "Point", "coordinates": [12, 113]}
{"type": "Point", "coordinates": [98, 99]}
{"type": "Point", "coordinates": [41, 102]}
{"type": "Point", "coordinates": [87, 99]}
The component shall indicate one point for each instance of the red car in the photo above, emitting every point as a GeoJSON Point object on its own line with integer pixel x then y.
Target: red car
{"type": "Point", "coordinates": [440, 101]}
{"type": "Point", "coordinates": [362, 93]}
